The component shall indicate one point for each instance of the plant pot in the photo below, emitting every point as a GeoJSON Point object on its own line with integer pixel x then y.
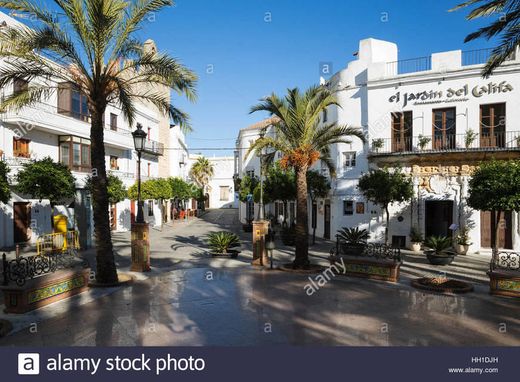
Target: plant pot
{"type": "Point", "coordinates": [415, 247]}
{"type": "Point", "coordinates": [352, 249]}
{"type": "Point", "coordinates": [232, 254]}
{"type": "Point", "coordinates": [435, 258]}
{"type": "Point", "coordinates": [461, 249]}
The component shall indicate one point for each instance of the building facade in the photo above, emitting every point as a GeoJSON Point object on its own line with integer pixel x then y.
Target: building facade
{"type": "Point", "coordinates": [59, 128]}
{"type": "Point", "coordinates": [436, 119]}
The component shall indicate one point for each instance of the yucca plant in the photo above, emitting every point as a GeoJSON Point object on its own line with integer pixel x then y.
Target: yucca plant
{"type": "Point", "coordinates": [221, 242]}
{"type": "Point", "coordinates": [353, 235]}
{"type": "Point", "coordinates": [439, 244]}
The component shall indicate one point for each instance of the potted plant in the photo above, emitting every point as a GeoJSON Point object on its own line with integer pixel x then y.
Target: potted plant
{"type": "Point", "coordinates": [438, 250]}
{"type": "Point", "coordinates": [462, 242]}
{"type": "Point", "coordinates": [352, 240]}
{"type": "Point", "coordinates": [423, 141]}
{"type": "Point", "coordinates": [377, 144]}
{"type": "Point", "coordinates": [469, 138]}
{"type": "Point", "coordinates": [416, 239]}
{"type": "Point", "coordinates": [221, 244]}
{"type": "Point", "coordinates": [288, 235]}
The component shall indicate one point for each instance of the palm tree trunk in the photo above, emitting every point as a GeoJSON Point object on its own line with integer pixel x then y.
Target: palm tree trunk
{"type": "Point", "coordinates": [302, 238]}
{"type": "Point", "coordinates": [106, 272]}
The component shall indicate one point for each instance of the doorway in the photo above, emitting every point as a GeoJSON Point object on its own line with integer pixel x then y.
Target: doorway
{"type": "Point", "coordinates": [326, 213]}
{"type": "Point", "coordinates": [22, 222]}
{"type": "Point", "coordinates": [439, 217]}
{"type": "Point", "coordinates": [113, 216]}
{"type": "Point", "coordinates": [505, 235]}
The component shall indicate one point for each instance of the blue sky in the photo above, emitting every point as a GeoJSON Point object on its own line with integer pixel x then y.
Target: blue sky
{"type": "Point", "coordinates": [250, 56]}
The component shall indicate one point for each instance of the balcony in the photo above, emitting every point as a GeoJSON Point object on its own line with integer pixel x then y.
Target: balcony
{"type": "Point", "coordinates": [153, 147]}
{"type": "Point", "coordinates": [503, 145]}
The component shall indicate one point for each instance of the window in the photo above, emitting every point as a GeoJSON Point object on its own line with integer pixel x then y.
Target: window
{"type": "Point", "coordinates": [325, 115]}
{"type": "Point", "coordinates": [360, 208]}
{"type": "Point", "coordinates": [150, 208]}
{"type": "Point", "coordinates": [113, 163]}
{"type": "Point", "coordinates": [493, 125]}
{"type": "Point", "coordinates": [402, 131]}
{"type": "Point", "coordinates": [113, 122]}
{"type": "Point", "coordinates": [149, 133]}
{"type": "Point", "coordinates": [20, 85]}
{"type": "Point", "coordinates": [148, 170]}
{"type": "Point", "coordinates": [72, 103]}
{"type": "Point", "coordinates": [349, 159]}
{"type": "Point", "coordinates": [444, 128]}
{"type": "Point", "coordinates": [75, 153]}
{"type": "Point", "coordinates": [224, 193]}
{"type": "Point", "coordinates": [348, 207]}
{"type": "Point", "coordinates": [250, 173]}
{"type": "Point", "coordinates": [21, 148]}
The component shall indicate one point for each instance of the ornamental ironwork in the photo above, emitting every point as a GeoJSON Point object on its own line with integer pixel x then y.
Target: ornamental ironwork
{"type": "Point", "coordinates": [505, 260]}
{"type": "Point", "coordinates": [25, 268]}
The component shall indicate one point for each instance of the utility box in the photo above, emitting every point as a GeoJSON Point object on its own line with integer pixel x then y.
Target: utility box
{"type": "Point", "coordinates": [260, 229]}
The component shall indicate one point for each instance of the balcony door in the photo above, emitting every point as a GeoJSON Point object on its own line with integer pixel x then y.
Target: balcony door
{"type": "Point", "coordinates": [493, 125]}
{"type": "Point", "coordinates": [402, 131]}
{"type": "Point", "coordinates": [444, 128]}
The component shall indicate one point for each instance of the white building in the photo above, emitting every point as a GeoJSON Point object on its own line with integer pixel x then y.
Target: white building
{"type": "Point", "coordinates": [398, 103]}
{"type": "Point", "coordinates": [59, 128]}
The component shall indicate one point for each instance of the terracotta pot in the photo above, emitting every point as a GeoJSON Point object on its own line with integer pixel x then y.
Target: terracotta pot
{"type": "Point", "coordinates": [416, 247]}
{"type": "Point", "coordinates": [461, 249]}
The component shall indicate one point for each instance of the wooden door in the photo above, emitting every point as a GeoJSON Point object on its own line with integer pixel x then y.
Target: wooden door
{"type": "Point", "coordinates": [444, 128]}
{"type": "Point", "coordinates": [505, 238]}
{"type": "Point", "coordinates": [22, 222]}
{"type": "Point", "coordinates": [439, 217]}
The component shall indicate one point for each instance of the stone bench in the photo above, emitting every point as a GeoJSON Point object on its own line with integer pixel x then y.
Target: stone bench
{"type": "Point", "coordinates": [32, 282]}
{"type": "Point", "coordinates": [376, 261]}
{"type": "Point", "coordinates": [504, 274]}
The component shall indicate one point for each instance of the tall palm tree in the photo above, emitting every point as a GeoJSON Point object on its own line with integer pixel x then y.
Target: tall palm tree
{"type": "Point", "coordinates": [302, 139]}
{"type": "Point", "coordinates": [95, 44]}
{"type": "Point", "coordinates": [506, 25]}
{"type": "Point", "coordinates": [202, 171]}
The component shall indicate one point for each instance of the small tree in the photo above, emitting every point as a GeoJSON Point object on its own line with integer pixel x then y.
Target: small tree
{"type": "Point", "coordinates": [46, 179]}
{"type": "Point", "coordinates": [383, 187]}
{"type": "Point", "coordinates": [318, 187]}
{"type": "Point", "coordinates": [116, 189]}
{"type": "Point", "coordinates": [156, 189]}
{"type": "Point", "coordinates": [280, 185]}
{"type": "Point", "coordinates": [5, 192]}
{"type": "Point", "coordinates": [495, 187]}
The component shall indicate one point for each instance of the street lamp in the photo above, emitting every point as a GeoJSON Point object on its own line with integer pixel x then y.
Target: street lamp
{"type": "Point", "coordinates": [139, 142]}
{"type": "Point", "coordinates": [261, 212]}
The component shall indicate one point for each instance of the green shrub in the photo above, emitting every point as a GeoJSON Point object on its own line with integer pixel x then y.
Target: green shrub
{"type": "Point", "coordinates": [221, 242]}
{"type": "Point", "coordinates": [438, 243]}
{"type": "Point", "coordinates": [353, 235]}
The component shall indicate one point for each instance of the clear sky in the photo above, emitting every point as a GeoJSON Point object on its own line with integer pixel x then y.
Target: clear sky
{"type": "Point", "coordinates": [243, 50]}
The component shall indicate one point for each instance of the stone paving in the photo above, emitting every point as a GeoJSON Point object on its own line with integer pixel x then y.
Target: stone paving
{"type": "Point", "coordinates": [190, 298]}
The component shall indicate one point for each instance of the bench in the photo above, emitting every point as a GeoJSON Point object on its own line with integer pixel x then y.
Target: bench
{"type": "Point", "coordinates": [376, 261]}
{"type": "Point", "coordinates": [31, 282]}
{"type": "Point", "coordinates": [504, 274]}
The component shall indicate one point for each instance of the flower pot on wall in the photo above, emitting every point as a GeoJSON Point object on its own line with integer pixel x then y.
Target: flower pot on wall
{"type": "Point", "coordinates": [461, 249]}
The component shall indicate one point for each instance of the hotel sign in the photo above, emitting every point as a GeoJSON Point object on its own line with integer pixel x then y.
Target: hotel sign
{"type": "Point", "coordinates": [450, 95]}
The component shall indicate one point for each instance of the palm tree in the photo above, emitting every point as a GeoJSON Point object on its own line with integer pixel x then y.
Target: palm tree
{"type": "Point", "coordinates": [202, 171]}
{"type": "Point", "coordinates": [302, 139]}
{"type": "Point", "coordinates": [506, 25]}
{"type": "Point", "coordinates": [92, 44]}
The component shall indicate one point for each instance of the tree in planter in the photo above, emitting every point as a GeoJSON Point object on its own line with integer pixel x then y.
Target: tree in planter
{"type": "Point", "coordinates": [318, 187]}
{"type": "Point", "coordinates": [384, 187]}
{"type": "Point", "coordinates": [102, 58]}
{"type": "Point", "coordinates": [495, 187]}
{"type": "Point", "coordinates": [153, 189]}
{"type": "Point", "coordinates": [5, 192]}
{"type": "Point", "coordinates": [302, 140]}
{"type": "Point", "coordinates": [280, 184]}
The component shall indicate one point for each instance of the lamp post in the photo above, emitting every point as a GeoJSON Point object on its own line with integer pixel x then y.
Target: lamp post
{"type": "Point", "coordinates": [260, 226]}
{"type": "Point", "coordinates": [139, 141]}
{"type": "Point", "coordinates": [140, 239]}
{"type": "Point", "coordinates": [261, 212]}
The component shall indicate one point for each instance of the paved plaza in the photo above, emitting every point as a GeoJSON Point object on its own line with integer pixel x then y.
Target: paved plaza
{"type": "Point", "coordinates": [190, 298]}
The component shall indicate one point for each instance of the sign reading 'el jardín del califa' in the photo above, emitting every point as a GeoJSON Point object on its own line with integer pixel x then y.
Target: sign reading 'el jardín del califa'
{"type": "Point", "coordinates": [450, 95]}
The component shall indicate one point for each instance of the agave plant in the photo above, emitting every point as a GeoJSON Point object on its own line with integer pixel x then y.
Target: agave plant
{"type": "Point", "coordinates": [221, 242]}
{"type": "Point", "coordinates": [439, 244]}
{"type": "Point", "coordinates": [353, 235]}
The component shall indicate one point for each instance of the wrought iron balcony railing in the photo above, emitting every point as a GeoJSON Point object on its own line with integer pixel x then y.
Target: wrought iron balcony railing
{"type": "Point", "coordinates": [153, 147]}
{"type": "Point", "coordinates": [446, 142]}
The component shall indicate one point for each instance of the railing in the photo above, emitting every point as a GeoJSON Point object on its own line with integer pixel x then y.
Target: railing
{"type": "Point", "coordinates": [479, 56]}
{"type": "Point", "coordinates": [153, 147]}
{"type": "Point", "coordinates": [57, 242]}
{"type": "Point", "coordinates": [447, 142]}
{"type": "Point", "coordinates": [505, 260]}
{"type": "Point", "coordinates": [420, 64]}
